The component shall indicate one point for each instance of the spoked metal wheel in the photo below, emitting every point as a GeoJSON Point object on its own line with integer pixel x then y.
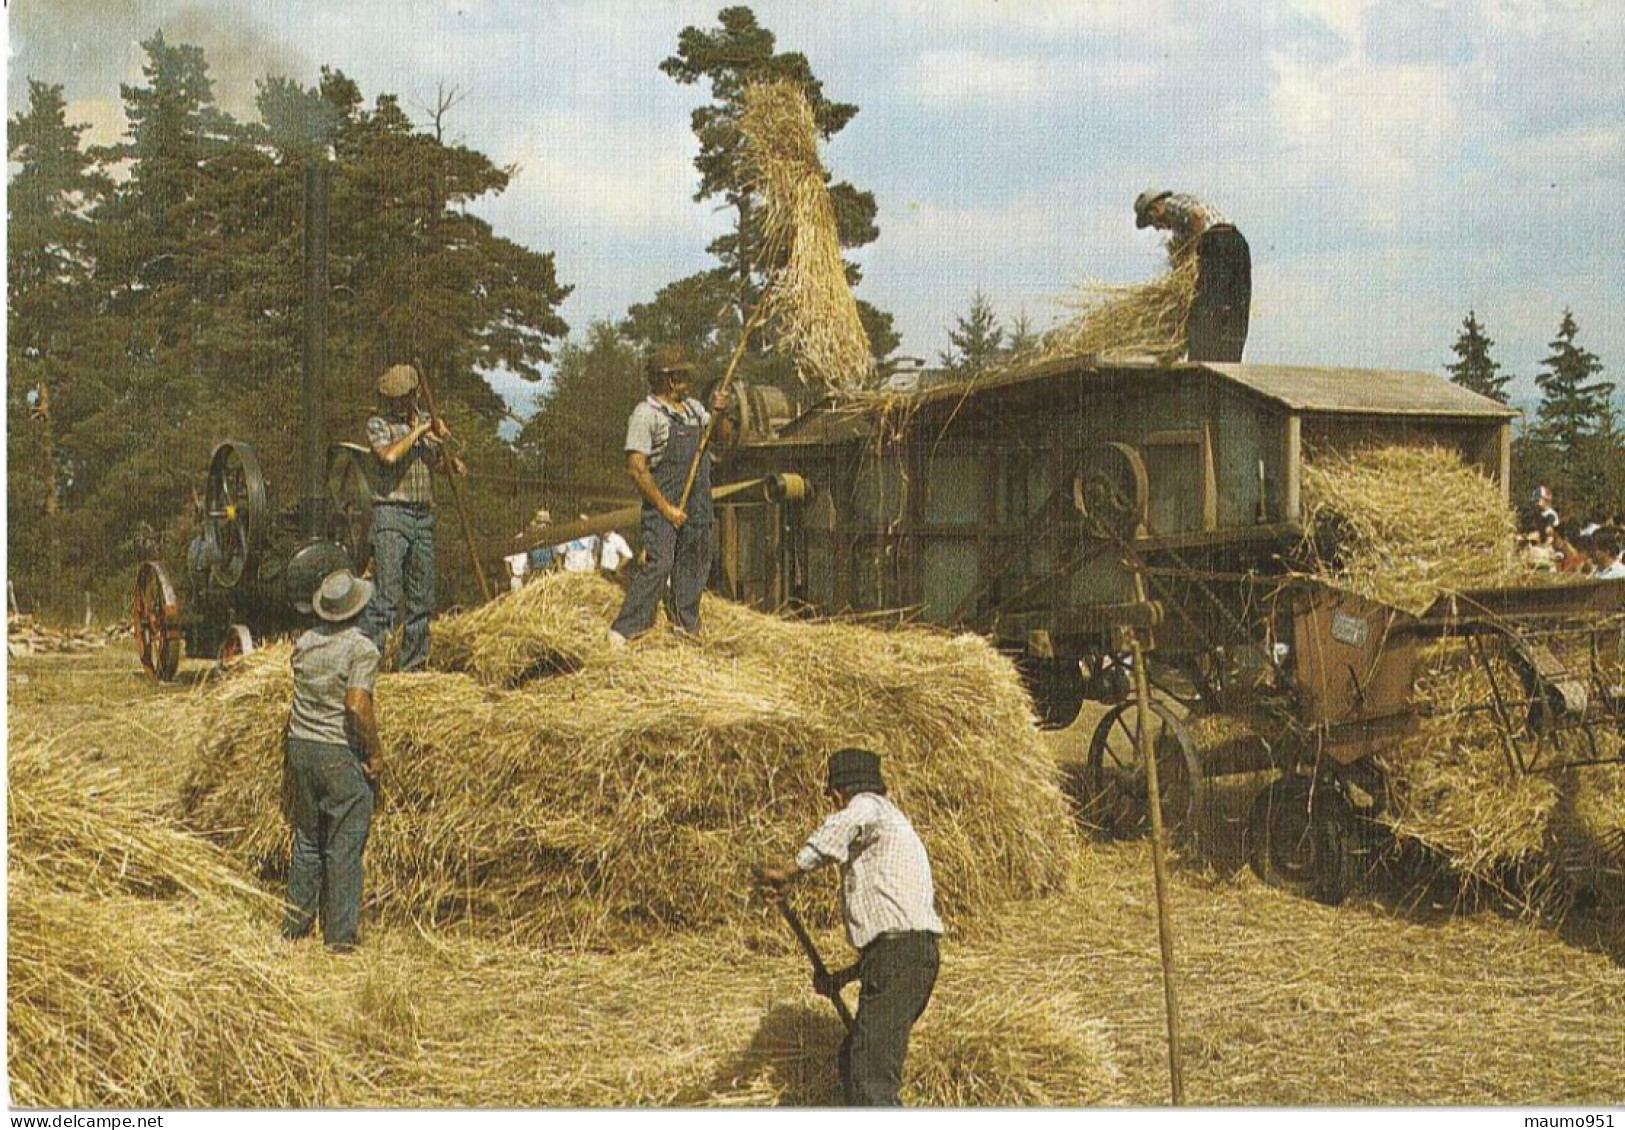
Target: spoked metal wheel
{"type": "Point", "coordinates": [1301, 837]}
{"type": "Point", "coordinates": [1118, 796]}
{"type": "Point", "coordinates": [237, 646]}
{"type": "Point", "coordinates": [157, 617]}
{"type": "Point", "coordinates": [349, 496]}
{"type": "Point", "coordinates": [234, 511]}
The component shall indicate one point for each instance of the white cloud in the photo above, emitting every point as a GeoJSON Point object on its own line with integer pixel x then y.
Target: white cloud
{"type": "Point", "coordinates": [1384, 131]}
{"type": "Point", "coordinates": [626, 177]}
{"type": "Point", "coordinates": [971, 75]}
{"type": "Point", "coordinates": [1034, 16]}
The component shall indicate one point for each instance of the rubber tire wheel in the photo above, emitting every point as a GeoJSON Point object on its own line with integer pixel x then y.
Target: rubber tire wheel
{"type": "Point", "coordinates": [1301, 838]}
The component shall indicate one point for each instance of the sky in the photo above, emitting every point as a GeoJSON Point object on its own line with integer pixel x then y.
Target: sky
{"type": "Point", "coordinates": [1393, 163]}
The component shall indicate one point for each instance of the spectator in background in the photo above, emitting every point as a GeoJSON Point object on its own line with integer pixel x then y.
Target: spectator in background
{"type": "Point", "coordinates": [1544, 510]}
{"type": "Point", "coordinates": [613, 554]}
{"type": "Point", "coordinates": [1605, 551]}
{"type": "Point", "coordinates": [539, 558]}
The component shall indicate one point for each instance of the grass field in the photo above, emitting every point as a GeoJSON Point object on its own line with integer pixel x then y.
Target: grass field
{"type": "Point", "coordinates": [1407, 996]}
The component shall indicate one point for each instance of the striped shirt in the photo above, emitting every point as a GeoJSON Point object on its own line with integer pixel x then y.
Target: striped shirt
{"type": "Point", "coordinates": [410, 478]}
{"type": "Point", "coordinates": [328, 661]}
{"type": "Point", "coordinates": [885, 875]}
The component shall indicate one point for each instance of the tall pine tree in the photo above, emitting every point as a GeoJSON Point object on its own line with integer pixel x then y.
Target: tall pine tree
{"type": "Point", "coordinates": [1573, 434]}
{"type": "Point", "coordinates": [730, 56]}
{"type": "Point", "coordinates": [1474, 368]}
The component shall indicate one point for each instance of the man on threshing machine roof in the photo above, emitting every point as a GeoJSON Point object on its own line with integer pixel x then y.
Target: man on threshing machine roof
{"type": "Point", "coordinates": [333, 761]}
{"type": "Point", "coordinates": [667, 457]}
{"type": "Point", "coordinates": [1216, 329]}
{"type": "Point", "coordinates": [409, 445]}
{"type": "Point", "coordinates": [889, 906]}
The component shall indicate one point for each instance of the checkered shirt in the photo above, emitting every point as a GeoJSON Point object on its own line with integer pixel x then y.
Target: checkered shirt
{"type": "Point", "coordinates": [410, 479]}
{"type": "Point", "coordinates": [328, 661]}
{"type": "Point", "coordinates": [885, 875]}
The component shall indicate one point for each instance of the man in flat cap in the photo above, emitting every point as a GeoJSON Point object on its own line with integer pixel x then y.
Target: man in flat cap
{"type": "Point", "coordinates": [662, 441]}
{"type": "Point", "coordinates": [1217, 326]}
{"type": "Point", "coordinates": [889, 907]}
{"type": "Point", "coordinates": [408, 444]}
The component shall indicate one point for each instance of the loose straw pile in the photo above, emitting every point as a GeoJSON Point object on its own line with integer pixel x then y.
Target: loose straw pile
{"type": "Point", "coordinates": [1404, 524]}
{"type": "Point", "coordinates": [630, 798]}
{"type": "Point", "coordinates": [808, 297]}
{"type": "Point", "coordinates": [1113, 322]}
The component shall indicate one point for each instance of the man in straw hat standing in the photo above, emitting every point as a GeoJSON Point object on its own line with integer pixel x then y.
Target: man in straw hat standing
{"type": "Point", "coordinates": [333, 763]}
{"type": "Point", "coordinates": [888, 904]}
{"type": "Point", "coordinates": [662, 441]}
{"type": "Point", "coordinates": [407, 443]}
{"type": "Point", "coordinates": [1216, 329]}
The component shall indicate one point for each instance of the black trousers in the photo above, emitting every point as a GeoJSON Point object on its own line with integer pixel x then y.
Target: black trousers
{"type": "Point", "coordinates": [1217, 328]}
{"type": "Point", "coordinates": [897, 973]}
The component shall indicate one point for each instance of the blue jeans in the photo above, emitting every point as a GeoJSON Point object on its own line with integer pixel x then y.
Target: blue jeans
{"type": "Point", "coordinates": [403, 571]}
{"type": "Point", "coordinates": [681, 557]}
{"type": "Point", "coordinates": [332, 814]}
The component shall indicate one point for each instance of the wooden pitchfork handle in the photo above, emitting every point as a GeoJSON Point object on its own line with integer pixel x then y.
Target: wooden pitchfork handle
{"type": "Point", "coordinates": [755, 320]}
{"type": "Point", "coordinates": [457, 496]}
{"type": "Point", "coordinates": [811, 950]}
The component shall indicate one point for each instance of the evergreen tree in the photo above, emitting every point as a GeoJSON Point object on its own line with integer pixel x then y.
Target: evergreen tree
{"type": "Point", "coordinates": [1574, 407]}
{"type": "Point", "coordinates": [977, 343]}
{"type": "Point", "coordinates": [49, 314]}
{"type": "Point", "coordinates": [1473, 368]}
{"type": "Point", "coordinates": [577, 436]}
{"type": "Point", "coordinates": [1023, 337]}
{"type": "Point", "coordinates": [730, 56]}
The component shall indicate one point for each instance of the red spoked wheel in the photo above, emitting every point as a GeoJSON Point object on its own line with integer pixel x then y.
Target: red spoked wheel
{"type": "Point", "coordinates": [157, 615]}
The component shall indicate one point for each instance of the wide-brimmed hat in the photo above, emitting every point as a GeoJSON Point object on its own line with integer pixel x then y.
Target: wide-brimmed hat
{"type": "Point", "coordinates": [668, 359]}
{"type": "Point", "coordinates": [1142, 205]}
{"type": "Point", "coordinates": [398, 380]}
{"type": "Point", "coordinates": [341, 595]}
{"type": "Point", "coordinates": [855, 770]}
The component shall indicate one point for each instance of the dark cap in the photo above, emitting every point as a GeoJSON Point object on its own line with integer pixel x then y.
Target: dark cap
{"type": "Point", "coordinates": [855, 770]}
{"type": "Point", "coordinates": [668, 359]}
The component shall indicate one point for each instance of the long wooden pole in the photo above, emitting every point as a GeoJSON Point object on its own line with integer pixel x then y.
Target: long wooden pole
{"type": "Point", "coordinates": [755, 320]}
{"type": "Point", "coordinates": [457, 497]}
{"type": "Point", "coordinates": [1159, 866]}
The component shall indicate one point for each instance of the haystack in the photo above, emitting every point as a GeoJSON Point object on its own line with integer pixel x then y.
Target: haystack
{"type": "Point", "coordinates": [809, 297]}
{"type": "Point", "coordinates": [630, 797]}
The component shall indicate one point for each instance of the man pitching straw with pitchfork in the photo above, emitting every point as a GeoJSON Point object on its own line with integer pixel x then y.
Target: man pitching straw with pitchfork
{"type": "Point", "coordinates": [887, 901]}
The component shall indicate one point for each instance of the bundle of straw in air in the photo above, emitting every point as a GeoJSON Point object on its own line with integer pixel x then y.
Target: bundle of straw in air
{"type": "Point", "coordinates": [630, 797]}
{"type": "Point", "coordinates": [808, 299]}
{"type": "Point", "coordinates": [1125, 320]}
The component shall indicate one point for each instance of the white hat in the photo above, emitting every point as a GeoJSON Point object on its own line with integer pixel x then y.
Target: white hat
{"type": "Point", "coordinates": [341, 596]}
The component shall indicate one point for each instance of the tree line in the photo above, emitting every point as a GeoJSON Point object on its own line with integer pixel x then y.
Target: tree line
{"type": "Point", "coordinates": [155, 302]}
{"type": "Point", "coordinates": [1573, 444]}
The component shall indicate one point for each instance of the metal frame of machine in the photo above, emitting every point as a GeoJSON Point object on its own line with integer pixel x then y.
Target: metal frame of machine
{"type": "Point", "coordinates": [1057, 508]}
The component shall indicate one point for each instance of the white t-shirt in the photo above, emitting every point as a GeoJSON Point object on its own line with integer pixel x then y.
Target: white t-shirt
{"type": "Point", "coordinates": [614, 552]}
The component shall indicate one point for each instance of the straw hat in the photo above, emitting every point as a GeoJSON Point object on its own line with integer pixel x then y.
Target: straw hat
{"type": "Point", "coordinates": [855, 770]}
{"type": "Point", "coordinates": [398, 380]}
{"type": "Point", "coordinates": [668, 359]}
{"type": "Point", "coordinates": [342, 595]}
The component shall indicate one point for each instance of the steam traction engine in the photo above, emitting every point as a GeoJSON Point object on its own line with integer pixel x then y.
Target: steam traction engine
{"type": "Point", "coordinates": [251, 567]}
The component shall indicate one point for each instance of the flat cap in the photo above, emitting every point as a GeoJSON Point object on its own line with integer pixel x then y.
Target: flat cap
{"type": "Point", "coordinates": [398, 380]}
